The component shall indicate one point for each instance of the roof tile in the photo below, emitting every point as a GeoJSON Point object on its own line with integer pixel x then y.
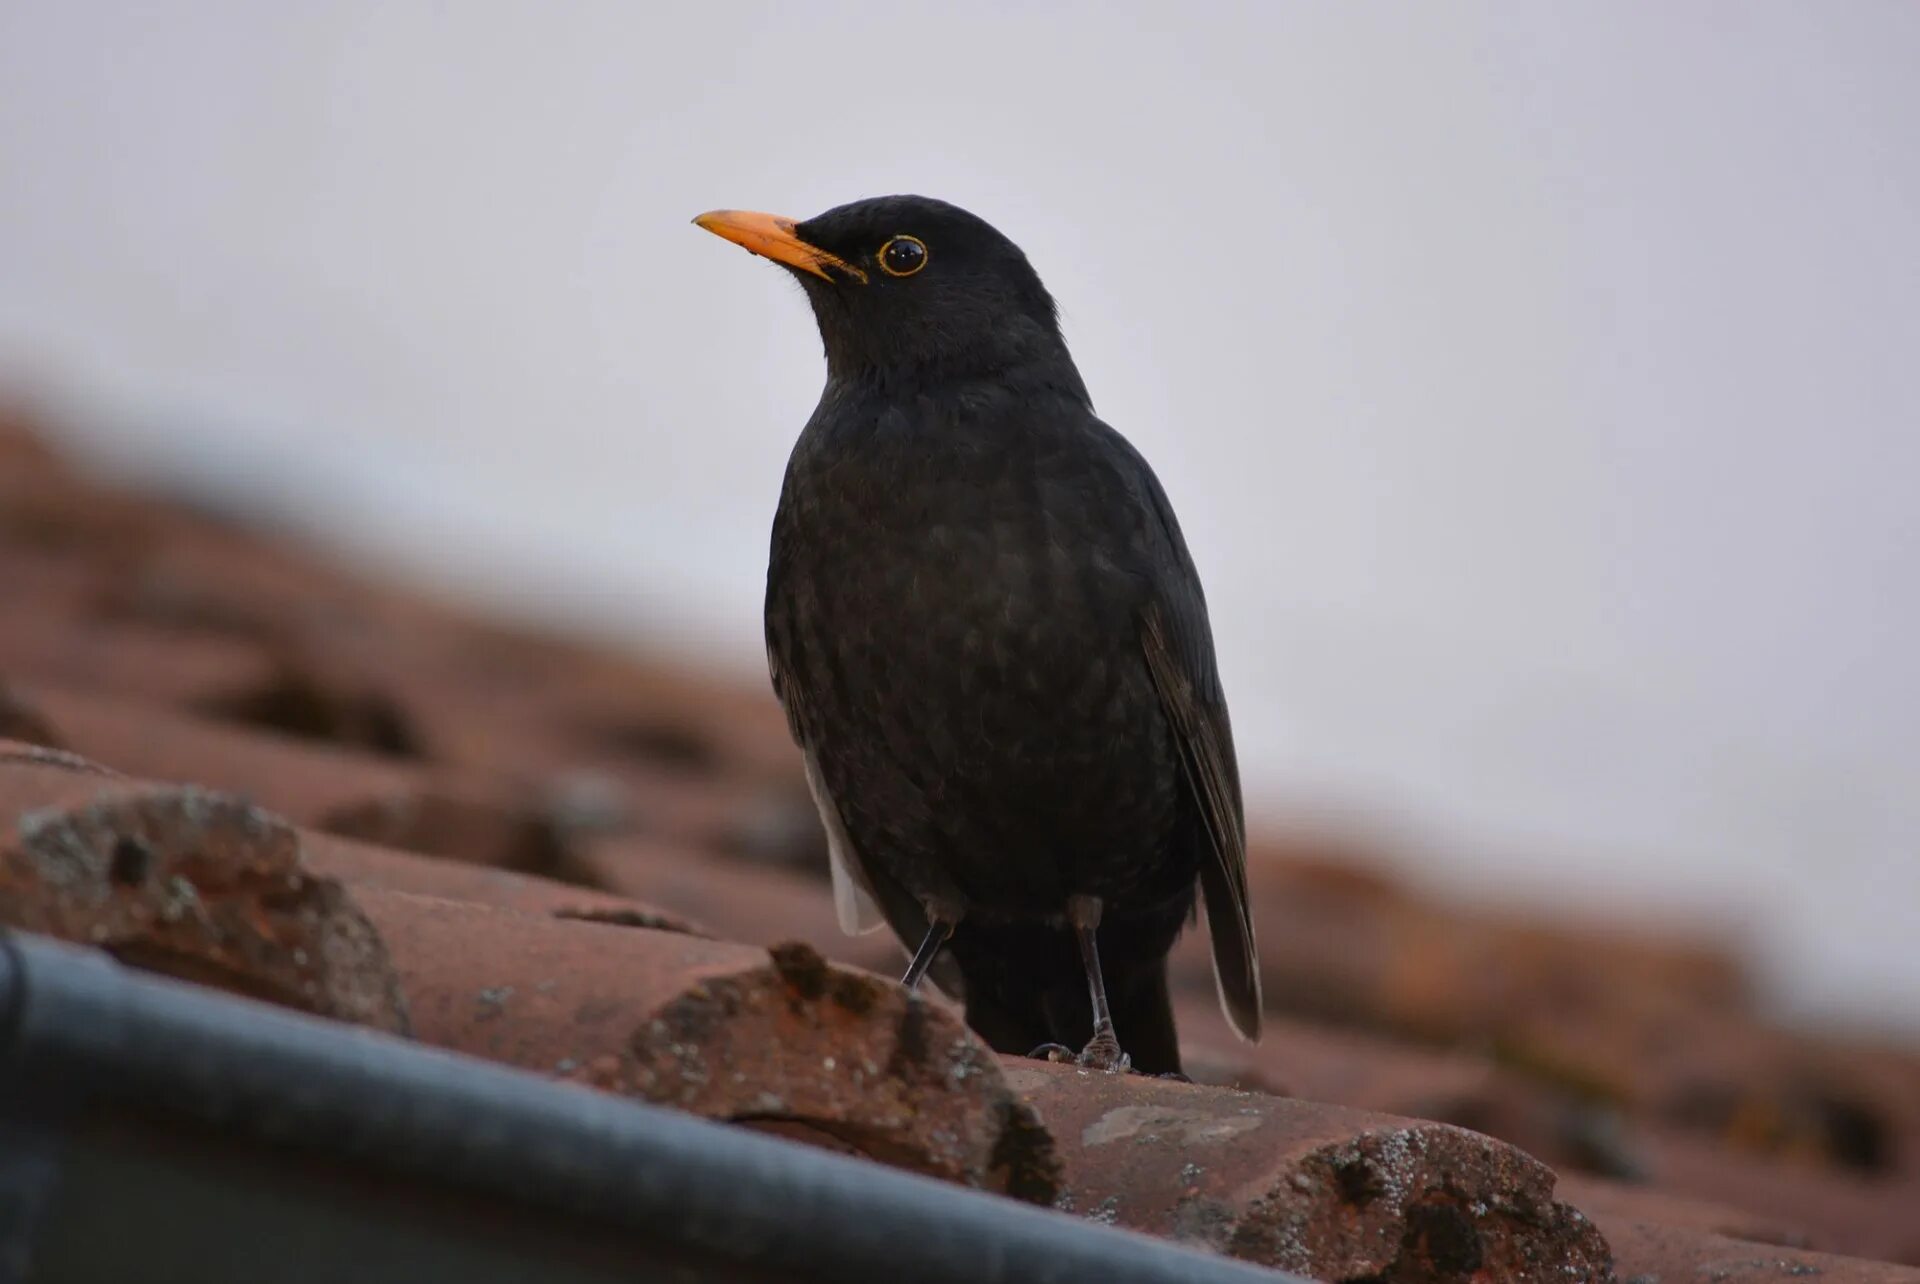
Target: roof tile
{"type": "Point", "coordinates": [1331, 1193]}
{"type": "Point", "coordinates": [193, 884]}
{"type": "Point", "coordinates": [720, 1029]}
{"type": "Point", "coordinates": [1651, 1252]}
{"type": "Point", "coordinates": [396, 803]}
{"type": "Point", "coordinates": [364, 865]}
{"type": "Point", "coordinates": [738, 900]}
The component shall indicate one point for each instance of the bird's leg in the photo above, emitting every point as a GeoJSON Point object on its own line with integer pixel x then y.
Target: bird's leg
{"type": "Point", "coordinates": [1103, 1050]}
{"type": "Point", "coordinates": [938, 930]}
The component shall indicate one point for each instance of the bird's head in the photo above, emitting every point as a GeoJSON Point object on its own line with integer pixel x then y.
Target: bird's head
{"type": "Point", "coordinates": [909, 288]}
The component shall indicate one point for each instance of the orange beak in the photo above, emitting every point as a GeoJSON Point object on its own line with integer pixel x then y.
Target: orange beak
{"type": "Point", "coordinates": [772, 237]}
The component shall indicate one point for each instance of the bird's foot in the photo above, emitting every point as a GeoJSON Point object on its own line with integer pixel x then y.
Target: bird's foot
{"type": "Point", "coordinates": [1100, 1054]}
{"type": "Point", "coordinates": [1103, 1053]}
{"type": "Point", "coordinates": [1174, 1075]}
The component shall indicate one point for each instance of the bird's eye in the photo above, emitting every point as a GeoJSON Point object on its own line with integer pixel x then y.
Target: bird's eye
{"type": "Point", "coordinates": [903, 256]}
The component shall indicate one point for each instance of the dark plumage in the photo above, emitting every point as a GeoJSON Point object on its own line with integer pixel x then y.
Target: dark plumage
{"type": "Point", "coordinates": [993, 647]}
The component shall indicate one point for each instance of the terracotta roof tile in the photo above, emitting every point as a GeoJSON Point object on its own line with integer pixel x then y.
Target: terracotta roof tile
{"type": "Point", "coordinates": [1343, 943]}
{"type": "Point", "coordinates": [388, 801]}
{"type": "Point", "coordinates": [1608, 1202]}
{"type": "Point", "coordinates": [21, 723]}
{"type": "Point", "coordinates": [193, 884]}
{"type": "Point", "coordinates": [1839, 1208]}
{"type": "Point", "coordinates": [110, 660]}
{"type": "Point", "coordinates": [737, 900]}
{"type": "Point", "coordinates": [1842, 1212]}
{"type": "Point", "coordinates": [1652, 1252]}
{"type": "Point", "coordinates": [1331, 1193]}
{"type": "Point", "coordinates": [1450, 1084]}
{"type": "Point", "coordinates": [723, 1030]}
{"type": "Point", "coordinates": [364, 865]}
{"type": "Point", "coordinates": [1660, 1029]}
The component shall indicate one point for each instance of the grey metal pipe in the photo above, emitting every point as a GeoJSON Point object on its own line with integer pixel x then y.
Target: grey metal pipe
{"type": "Point", "coordinates": [75, 1022]}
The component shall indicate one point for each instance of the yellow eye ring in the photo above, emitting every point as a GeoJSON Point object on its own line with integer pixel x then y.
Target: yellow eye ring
{"type": "Point", "coordinates": [902, 256]}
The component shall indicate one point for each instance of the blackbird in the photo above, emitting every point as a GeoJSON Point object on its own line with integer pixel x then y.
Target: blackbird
{"type": "Point", "coordinates": [992, 647]}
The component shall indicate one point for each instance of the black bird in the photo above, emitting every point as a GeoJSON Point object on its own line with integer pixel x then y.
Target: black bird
{"type": "Point", "coordinates": [992, 646]}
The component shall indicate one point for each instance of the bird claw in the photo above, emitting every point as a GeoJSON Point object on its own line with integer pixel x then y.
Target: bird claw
{"type": "Point", "coordinates": [1100, 1054]}
{"type": "Point", "coordinates": [1103, 1053]}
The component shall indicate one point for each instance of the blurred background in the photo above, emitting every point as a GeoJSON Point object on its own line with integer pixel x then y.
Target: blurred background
{"type": "Point", "coordinates": [1536, 384]}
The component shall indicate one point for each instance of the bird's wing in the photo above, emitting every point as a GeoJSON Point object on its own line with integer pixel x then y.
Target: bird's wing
{"type": "Point", "coordinates": [1178, 643]}
{"type": "Point", "coordinates": [1206, 750]}
{"type": "Point", "coordinates": [854, 903]}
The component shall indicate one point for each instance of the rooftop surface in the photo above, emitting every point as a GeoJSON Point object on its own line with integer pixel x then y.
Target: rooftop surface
{"type": "Point", "coordinates": [224, 762]}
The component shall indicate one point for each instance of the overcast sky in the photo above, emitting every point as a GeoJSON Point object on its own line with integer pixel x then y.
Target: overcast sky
{"type": "Point", "coordinates": [1539, 385]}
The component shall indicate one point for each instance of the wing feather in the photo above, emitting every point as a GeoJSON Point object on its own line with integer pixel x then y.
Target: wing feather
{"type": "Point", "coordinates": [1206, 753]}
{"type": "Point", "coordinates": [854, 902]}
{"type": "Point", "coordinates": [853, 899]}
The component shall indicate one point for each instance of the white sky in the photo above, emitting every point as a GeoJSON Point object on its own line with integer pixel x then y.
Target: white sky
{"type": "Point", "coordinates": [1538, 384]}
